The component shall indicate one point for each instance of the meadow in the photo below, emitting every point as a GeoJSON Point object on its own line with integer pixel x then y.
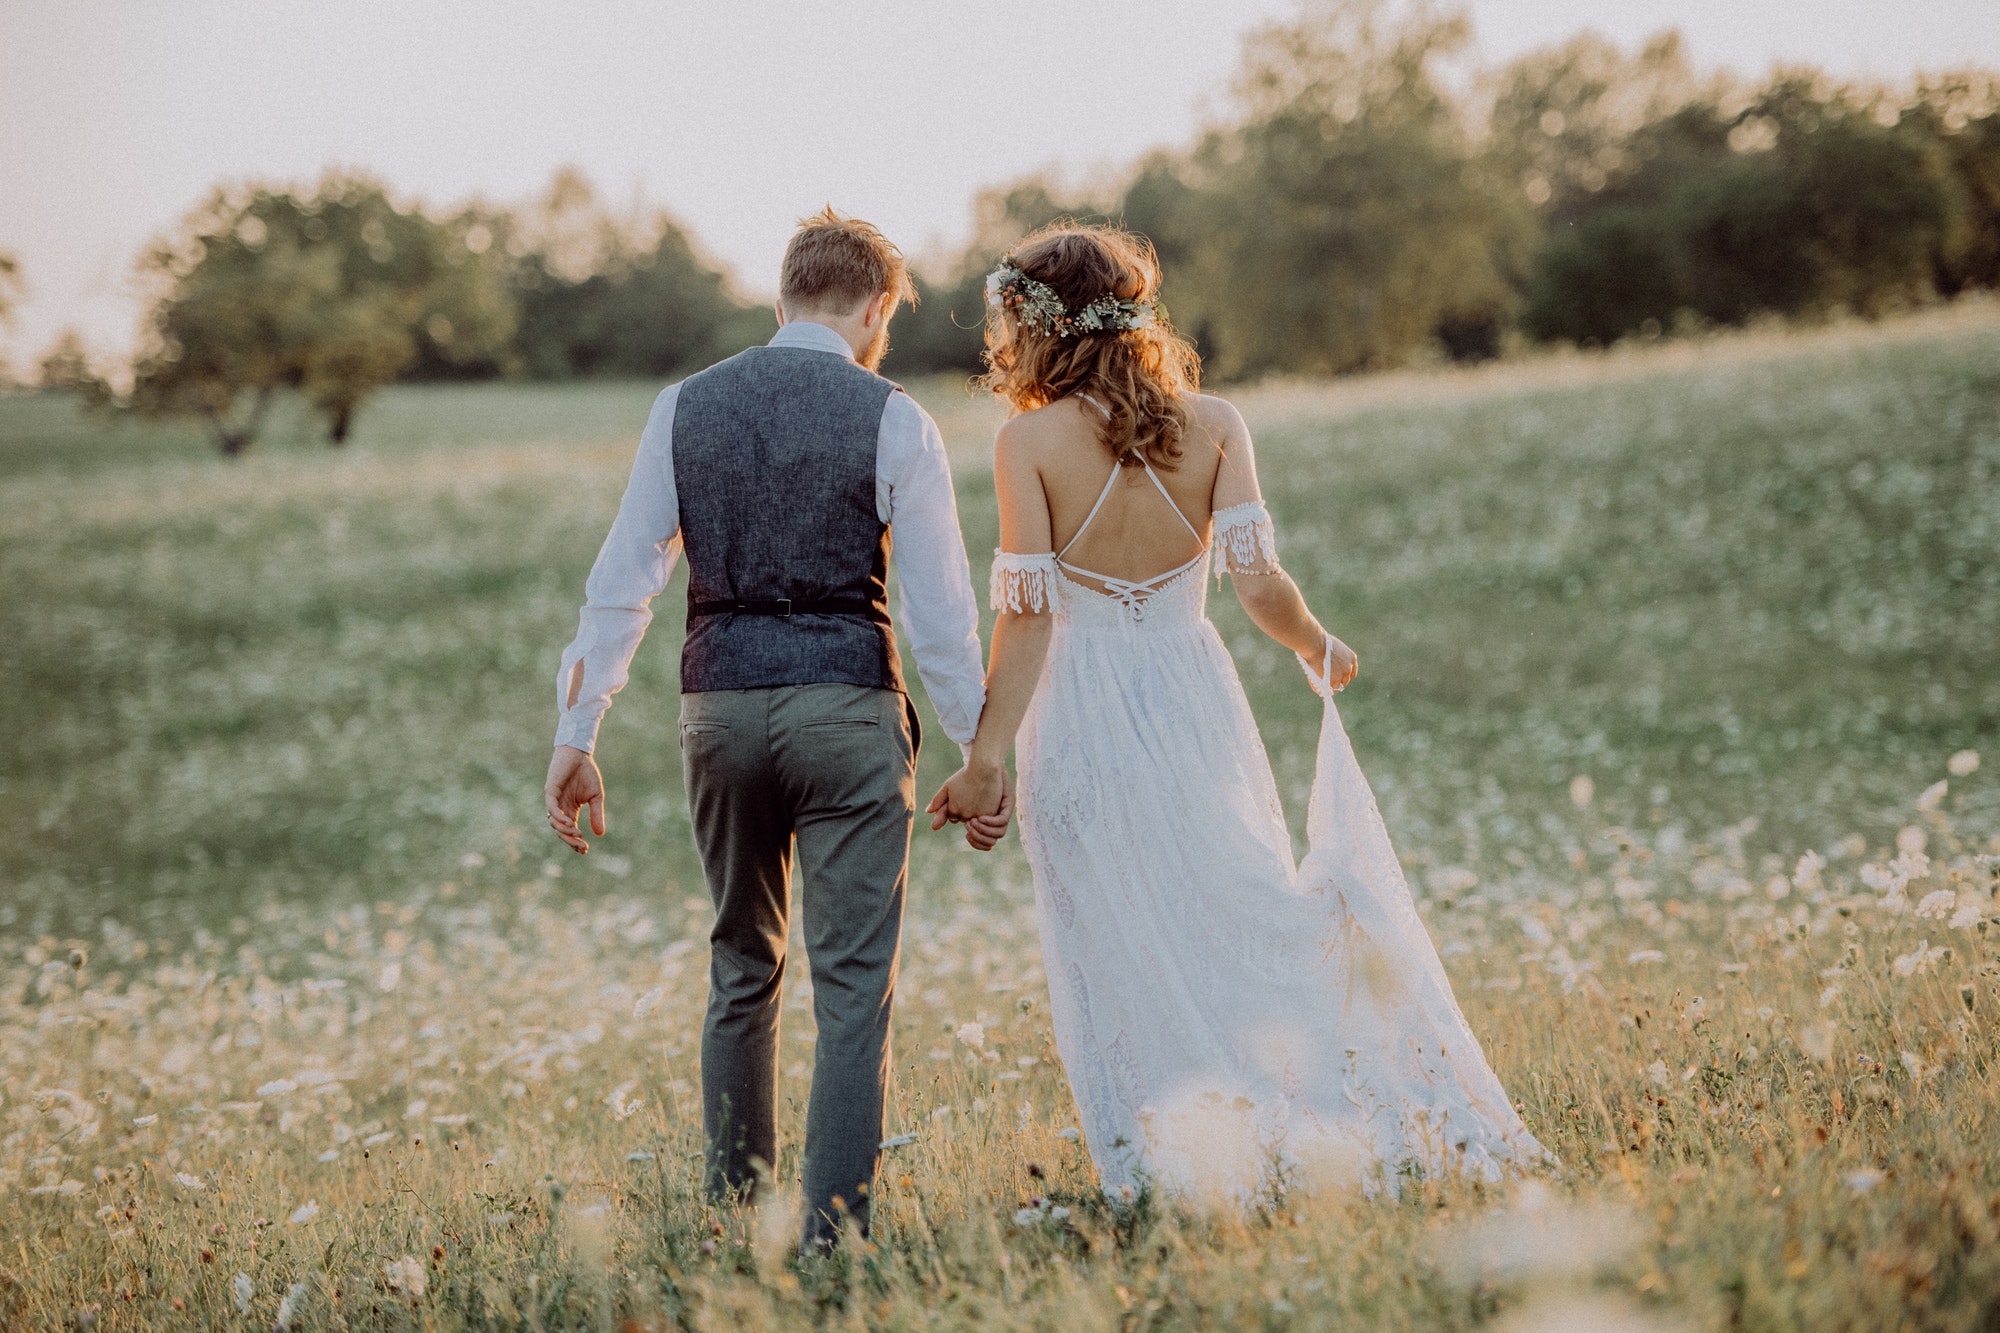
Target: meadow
{"type": "Point", "coordinates": [1678, 668]}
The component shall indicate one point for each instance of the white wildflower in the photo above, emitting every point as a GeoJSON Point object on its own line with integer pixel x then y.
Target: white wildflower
{"type": "Point", "coordinates": [1817, 1041]}
{"type": "Point", "coordinates": [1805, 875]}
{"type": "Point", "coordinates": [1919, 959]}
{"type": "Point", "coordinates": [1911, 864]}
{"type": "Point", "coordinates": [1867, 1178]}
{"type": "Point", "coordinates": [452, 1121]}
{"type": "Point", "coordinates": [1880, 880]}
{"type": "Point", "coordinates": [144, 1120]}
{"type": "Point", "coordinates": [1582, 791]}
{"type": "Point", "coordinates": [416, 1108]}
{"type": "Point", "coordinates": [1638, 956]}
{"type": "Point", "coordinates": [288, 1308]}
{"type": "Point", "coordinates": [972, 1034]}
{"type": "Point", "coordinates": [304, 1213]}
{"type": "Point", "coordinates": [641, 1157]}
{"type": "Point", "coordinates": [1071, 1134]}
{"type": "Point", "coordinates": [244, 1291]}
{"type": "Point", "coordinates": [1939, 903]}
{"type": "Point", "coordinates": [622, 1102]}
{"type": "Point", "coordinates": [1828, 996]}
{"type": "Point", "coordinates": [406, 1277]}
{"type": "Point", "coordinates": [1910, 838]}
{"type": "Point", "coordinates": [1777, 887]}
{"type": "Point", "coordinates": [277, 1087]}
{"type": "Point", "coordinates": [1658, 1073]}
{"type": "Point", "coordinates": [1969, 914]}
{"type": "Point", "coordinates": [391, 975]}
{"type": "Point", "coordinates": [330, 1155]}
{"type": "Point", "coordinates": [1932, 795]}
{"type": "Point", "coordinates": [899, 1141]}
{"type": "Point", "coordinates": [1913, 1065]}
{"type": "Point", "coordinates": [646, 1003]}
{"type": "Point", "coordinates": [1963, 764]}
{"type": "Point", "coordinates": [188, 1182]}
{"type": "Point", "coordinates": [1027, 1217]}
{"type": "Point", "coordinates": [1058, 1214]}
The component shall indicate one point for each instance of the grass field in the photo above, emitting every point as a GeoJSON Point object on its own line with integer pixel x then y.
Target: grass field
{"type": "Point", "coordinates": [303, 1021]}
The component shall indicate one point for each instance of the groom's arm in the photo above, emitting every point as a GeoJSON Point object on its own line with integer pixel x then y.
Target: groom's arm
{"type": "Point", "coordinates": [939, 613]}
{"type": "Point", "coordinates": [632, 567]}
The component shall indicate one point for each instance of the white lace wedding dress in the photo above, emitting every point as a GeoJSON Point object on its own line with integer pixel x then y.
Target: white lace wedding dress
{"type": "Point", "coordinates": [1222, 1014]}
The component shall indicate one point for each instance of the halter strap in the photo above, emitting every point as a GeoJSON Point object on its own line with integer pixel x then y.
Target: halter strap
{"type": "Point", "coordinates": [1129, 591]}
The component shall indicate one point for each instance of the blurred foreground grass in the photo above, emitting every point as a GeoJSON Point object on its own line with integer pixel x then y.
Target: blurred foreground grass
{"type": "Point", "coordinates": [292, 990]}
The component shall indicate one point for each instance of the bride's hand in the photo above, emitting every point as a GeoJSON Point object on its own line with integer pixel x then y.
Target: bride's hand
{"type": "Point", "coordinates": [1339, 663]}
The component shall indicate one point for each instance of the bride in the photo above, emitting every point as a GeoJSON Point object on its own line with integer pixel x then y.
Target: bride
{"type": "Point", "coordinates": [1226, 1018]}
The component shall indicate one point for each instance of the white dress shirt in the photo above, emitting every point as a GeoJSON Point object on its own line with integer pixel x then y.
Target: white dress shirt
{"type": "Point", "coordinates": [913, 495]}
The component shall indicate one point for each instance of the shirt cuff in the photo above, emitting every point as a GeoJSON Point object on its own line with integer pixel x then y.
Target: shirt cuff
{"type": "Point", "coordinates": [579, 731]}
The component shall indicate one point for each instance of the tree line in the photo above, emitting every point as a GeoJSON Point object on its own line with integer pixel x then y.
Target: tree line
{"type": "Point", "coordinates": [1368, 203]}
{"type": "Point", "coordinates": [1368, 200]}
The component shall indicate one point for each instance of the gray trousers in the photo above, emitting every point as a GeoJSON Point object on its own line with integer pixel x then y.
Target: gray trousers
{"type": "Point", "coordinates": [834, 767]}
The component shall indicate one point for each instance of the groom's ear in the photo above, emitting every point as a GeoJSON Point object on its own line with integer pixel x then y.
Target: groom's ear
{"type": "Point", "coordinates": [779, 306]}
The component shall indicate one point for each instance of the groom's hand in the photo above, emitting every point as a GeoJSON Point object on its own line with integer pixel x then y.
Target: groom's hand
{"type": "Point", "coordinates": [574, 782]}
{"type": "Point", "coordinates": [976, 789]}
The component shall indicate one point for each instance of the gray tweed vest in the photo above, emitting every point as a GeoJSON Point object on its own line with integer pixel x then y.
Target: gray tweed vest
{"type": "Point", "coordinates": [774, 461]}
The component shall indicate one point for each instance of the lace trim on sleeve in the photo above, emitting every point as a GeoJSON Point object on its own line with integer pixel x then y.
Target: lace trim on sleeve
{"type": "Point", "coordinates": [1023, 583]}
{"type": "Point", "coordinates": [1245, 541]}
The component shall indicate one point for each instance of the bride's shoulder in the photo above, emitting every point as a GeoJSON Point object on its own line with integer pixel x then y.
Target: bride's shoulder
{"type": "Point", "coordinates": [1217, 418]}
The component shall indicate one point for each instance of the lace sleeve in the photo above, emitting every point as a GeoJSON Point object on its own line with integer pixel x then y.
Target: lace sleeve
{"type": "Point", "coordinates": [1245, 542]}
{"type": "Point", "coordinates": [1023, 583]}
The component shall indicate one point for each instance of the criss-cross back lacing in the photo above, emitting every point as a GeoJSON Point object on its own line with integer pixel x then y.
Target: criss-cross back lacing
{"type": "Point", "coordinates": [1132, 592]}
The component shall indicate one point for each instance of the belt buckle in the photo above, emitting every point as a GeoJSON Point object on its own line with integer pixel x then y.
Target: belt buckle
{"type": "Point", "coordinates": [785, 605]}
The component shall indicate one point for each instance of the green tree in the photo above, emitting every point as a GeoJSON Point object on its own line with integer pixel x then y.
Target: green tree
{"type": "Point", "coordinates": [1806, 199]}
{"type": "Point", "coordinates": [601, 295]}
{"type": "Point", "coordinates": [1347, 221]}
{"type": "Point", "coordinates": [332, 291]}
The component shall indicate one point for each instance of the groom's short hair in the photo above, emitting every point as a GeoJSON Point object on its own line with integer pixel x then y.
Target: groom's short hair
{"type": "Point", "coordinates": [836, 263]}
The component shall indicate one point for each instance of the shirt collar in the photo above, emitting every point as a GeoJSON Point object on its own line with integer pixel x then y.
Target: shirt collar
{"type": "Point", "coordinates": [816, 337]}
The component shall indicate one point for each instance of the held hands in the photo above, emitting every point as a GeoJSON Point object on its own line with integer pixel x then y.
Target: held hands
{"type": "Point", "coordinates": [980, 796]}
{"type": "Point", "coordinates": [1334, 671]}
{"type": "Point", "coordinates": [574, 783]}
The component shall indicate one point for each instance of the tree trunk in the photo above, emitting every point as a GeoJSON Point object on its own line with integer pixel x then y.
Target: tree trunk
{"type": "Point", "coordinates": [235, 441]}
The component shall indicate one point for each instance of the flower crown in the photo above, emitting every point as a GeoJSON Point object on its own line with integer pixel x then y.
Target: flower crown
{"type": "Point", "coordinates": [1037, 305]}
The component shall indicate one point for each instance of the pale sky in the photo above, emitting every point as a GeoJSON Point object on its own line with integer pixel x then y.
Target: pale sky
{"type": "Point", "coordinates": [116, 116]}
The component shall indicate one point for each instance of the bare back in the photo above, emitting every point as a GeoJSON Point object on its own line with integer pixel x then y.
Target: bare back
{"type": "Point", "coordinates": [1134, 535]}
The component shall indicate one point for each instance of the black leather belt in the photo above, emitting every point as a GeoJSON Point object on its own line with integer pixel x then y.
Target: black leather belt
{"type": "Point", "coordinates": [786, 607]}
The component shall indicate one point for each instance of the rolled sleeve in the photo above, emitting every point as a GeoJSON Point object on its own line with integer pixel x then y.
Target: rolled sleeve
{"type": "Point", "coordinates": [631, 568]}
{"type": "Point", "coordinates": [939, 612]}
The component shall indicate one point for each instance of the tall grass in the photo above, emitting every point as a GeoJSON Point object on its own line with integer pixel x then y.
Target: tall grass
{"type": "Point", "coordinates": [1676, 673]}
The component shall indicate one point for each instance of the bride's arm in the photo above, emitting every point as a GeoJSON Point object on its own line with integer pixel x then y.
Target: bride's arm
{"type": "Point", "coordinates": [1023, 600]}
{"type": "Point", "coordinates": [1247, 548]}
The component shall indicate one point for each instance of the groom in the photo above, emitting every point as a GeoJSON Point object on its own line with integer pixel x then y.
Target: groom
{"type": "Point", "coordinates": [781, 472]}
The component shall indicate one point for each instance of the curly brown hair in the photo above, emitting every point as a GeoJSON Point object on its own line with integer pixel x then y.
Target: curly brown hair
{"type": "Point", "coordinates": [1143, 377]}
